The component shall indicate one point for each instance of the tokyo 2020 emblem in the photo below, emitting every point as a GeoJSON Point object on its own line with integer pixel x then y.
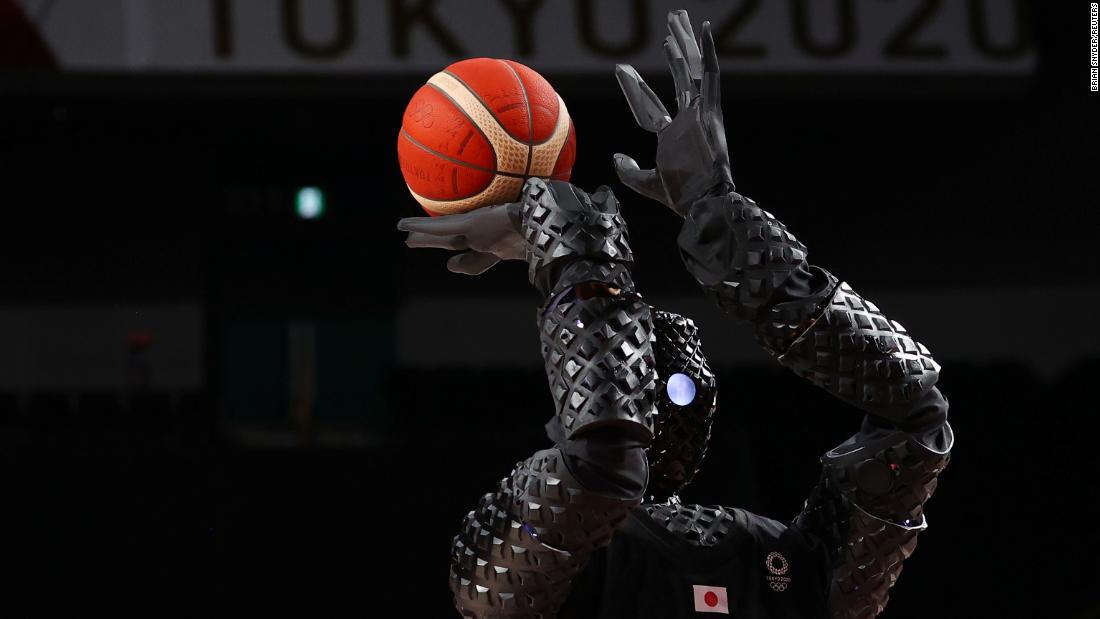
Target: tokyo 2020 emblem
{"type": "Point", "coordinates": [778, 565]}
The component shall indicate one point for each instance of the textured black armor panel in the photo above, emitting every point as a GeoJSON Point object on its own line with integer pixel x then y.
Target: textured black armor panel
{"type": "Point", "coordinates": [697, 524]}
{"type": "Point", "coordinates": [870, 564]}
{"type": "Point", "coordinates": [518, 551]}
{"type": "Point", "coordinates": [561, 223]}
{"type": "Point", "coordinates": [854, 352]}
{"type": "Point", "coordinates": [563, 514]}
{"type": "Point", "coordinates": [681, 433]}
{"type": "Point", "coordinates": [742, 256]}
{"type": "Point", "coordinates": [868, 507]}
{"type": "Point", "coordinates": [599, 362]}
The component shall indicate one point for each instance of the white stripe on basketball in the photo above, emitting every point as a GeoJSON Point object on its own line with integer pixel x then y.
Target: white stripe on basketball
{"type": "Point", "coordinates": [502, 189]}
{"type": "Point", "coordinates": [545, 155]}
{"type": "Point", "coordinates": [511, 154]}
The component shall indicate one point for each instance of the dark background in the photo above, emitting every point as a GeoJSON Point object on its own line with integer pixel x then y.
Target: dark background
{"type": "Point", "coordinates": [155, 190]}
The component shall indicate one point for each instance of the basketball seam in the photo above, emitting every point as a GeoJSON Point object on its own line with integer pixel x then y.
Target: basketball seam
{"type": "Point", "coordinates": [473, 123]}
{"type": "Point", "coordinates": [466, 164]}
{"type": "Point", "coordinates": [530, 119]}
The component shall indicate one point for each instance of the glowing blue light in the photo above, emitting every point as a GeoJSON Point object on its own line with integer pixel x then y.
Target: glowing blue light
{"type": "Point", "coordinates": [681, 389]}
{"type": "Point", "coordinates": [530, 530]}
{"type": "Point", "coordinates": [310, 203]}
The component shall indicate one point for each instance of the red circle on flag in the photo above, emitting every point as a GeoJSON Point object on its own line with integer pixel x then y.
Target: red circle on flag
{"type": "Point", "coordinates": [710, 599]}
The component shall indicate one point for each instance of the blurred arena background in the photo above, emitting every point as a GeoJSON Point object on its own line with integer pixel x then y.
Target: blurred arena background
{"type": "Point", "coordinates": [215, 350]}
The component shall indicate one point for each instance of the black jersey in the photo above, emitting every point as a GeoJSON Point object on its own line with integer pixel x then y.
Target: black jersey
{"type": "Point", "coordinates": [759, 568]}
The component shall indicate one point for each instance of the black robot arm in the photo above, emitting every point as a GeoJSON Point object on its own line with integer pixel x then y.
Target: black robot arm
{"type": "Point", "coordinates": [868, 506]}
{"type": "Point", "coordinates": [518, 551]}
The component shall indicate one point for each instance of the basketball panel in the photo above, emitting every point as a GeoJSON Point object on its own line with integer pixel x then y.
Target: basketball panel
{"type": "Point", "coordinates": [541, 98]}
{"type": "Point", "coordinates": [433, 121]}
{"type": "Point", "coordinates": [429, 175]}
{"type": "Point", "coordinates": [563, 168]}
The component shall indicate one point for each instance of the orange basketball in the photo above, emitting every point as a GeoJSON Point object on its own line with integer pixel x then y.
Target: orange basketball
{"type": "Point", "coordinates": [477, 130]}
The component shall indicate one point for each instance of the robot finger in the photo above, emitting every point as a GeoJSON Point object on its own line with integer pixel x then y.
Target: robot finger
{"type": "Point", "coordinates": [645, 182]}
{"type": "Point", "coordinates": [647, 108]}
{"type": "Point", "coordinates": [685, 86]}
{"type": "Point", "coordinates": [712, 85]}
{"type": "Point", "coordinates": [679, 26]}
{"type": "Point", "coordinates": [438, 241]}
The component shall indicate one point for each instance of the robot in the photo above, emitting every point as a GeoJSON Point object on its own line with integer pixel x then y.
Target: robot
{"type": "Point", "coordinates": [592, 526]}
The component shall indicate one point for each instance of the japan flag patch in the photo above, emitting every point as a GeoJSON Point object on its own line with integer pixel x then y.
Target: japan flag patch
{"type": "Point", "coordinates": [711, 600]}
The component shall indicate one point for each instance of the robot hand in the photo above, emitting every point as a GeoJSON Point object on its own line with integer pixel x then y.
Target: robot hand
{"type": "Point", "coordinates": [488, 235]}
{"type": "Point", "coordinates": [554, 223]}
{"type": "Point", "coordinates": [692, 160]}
